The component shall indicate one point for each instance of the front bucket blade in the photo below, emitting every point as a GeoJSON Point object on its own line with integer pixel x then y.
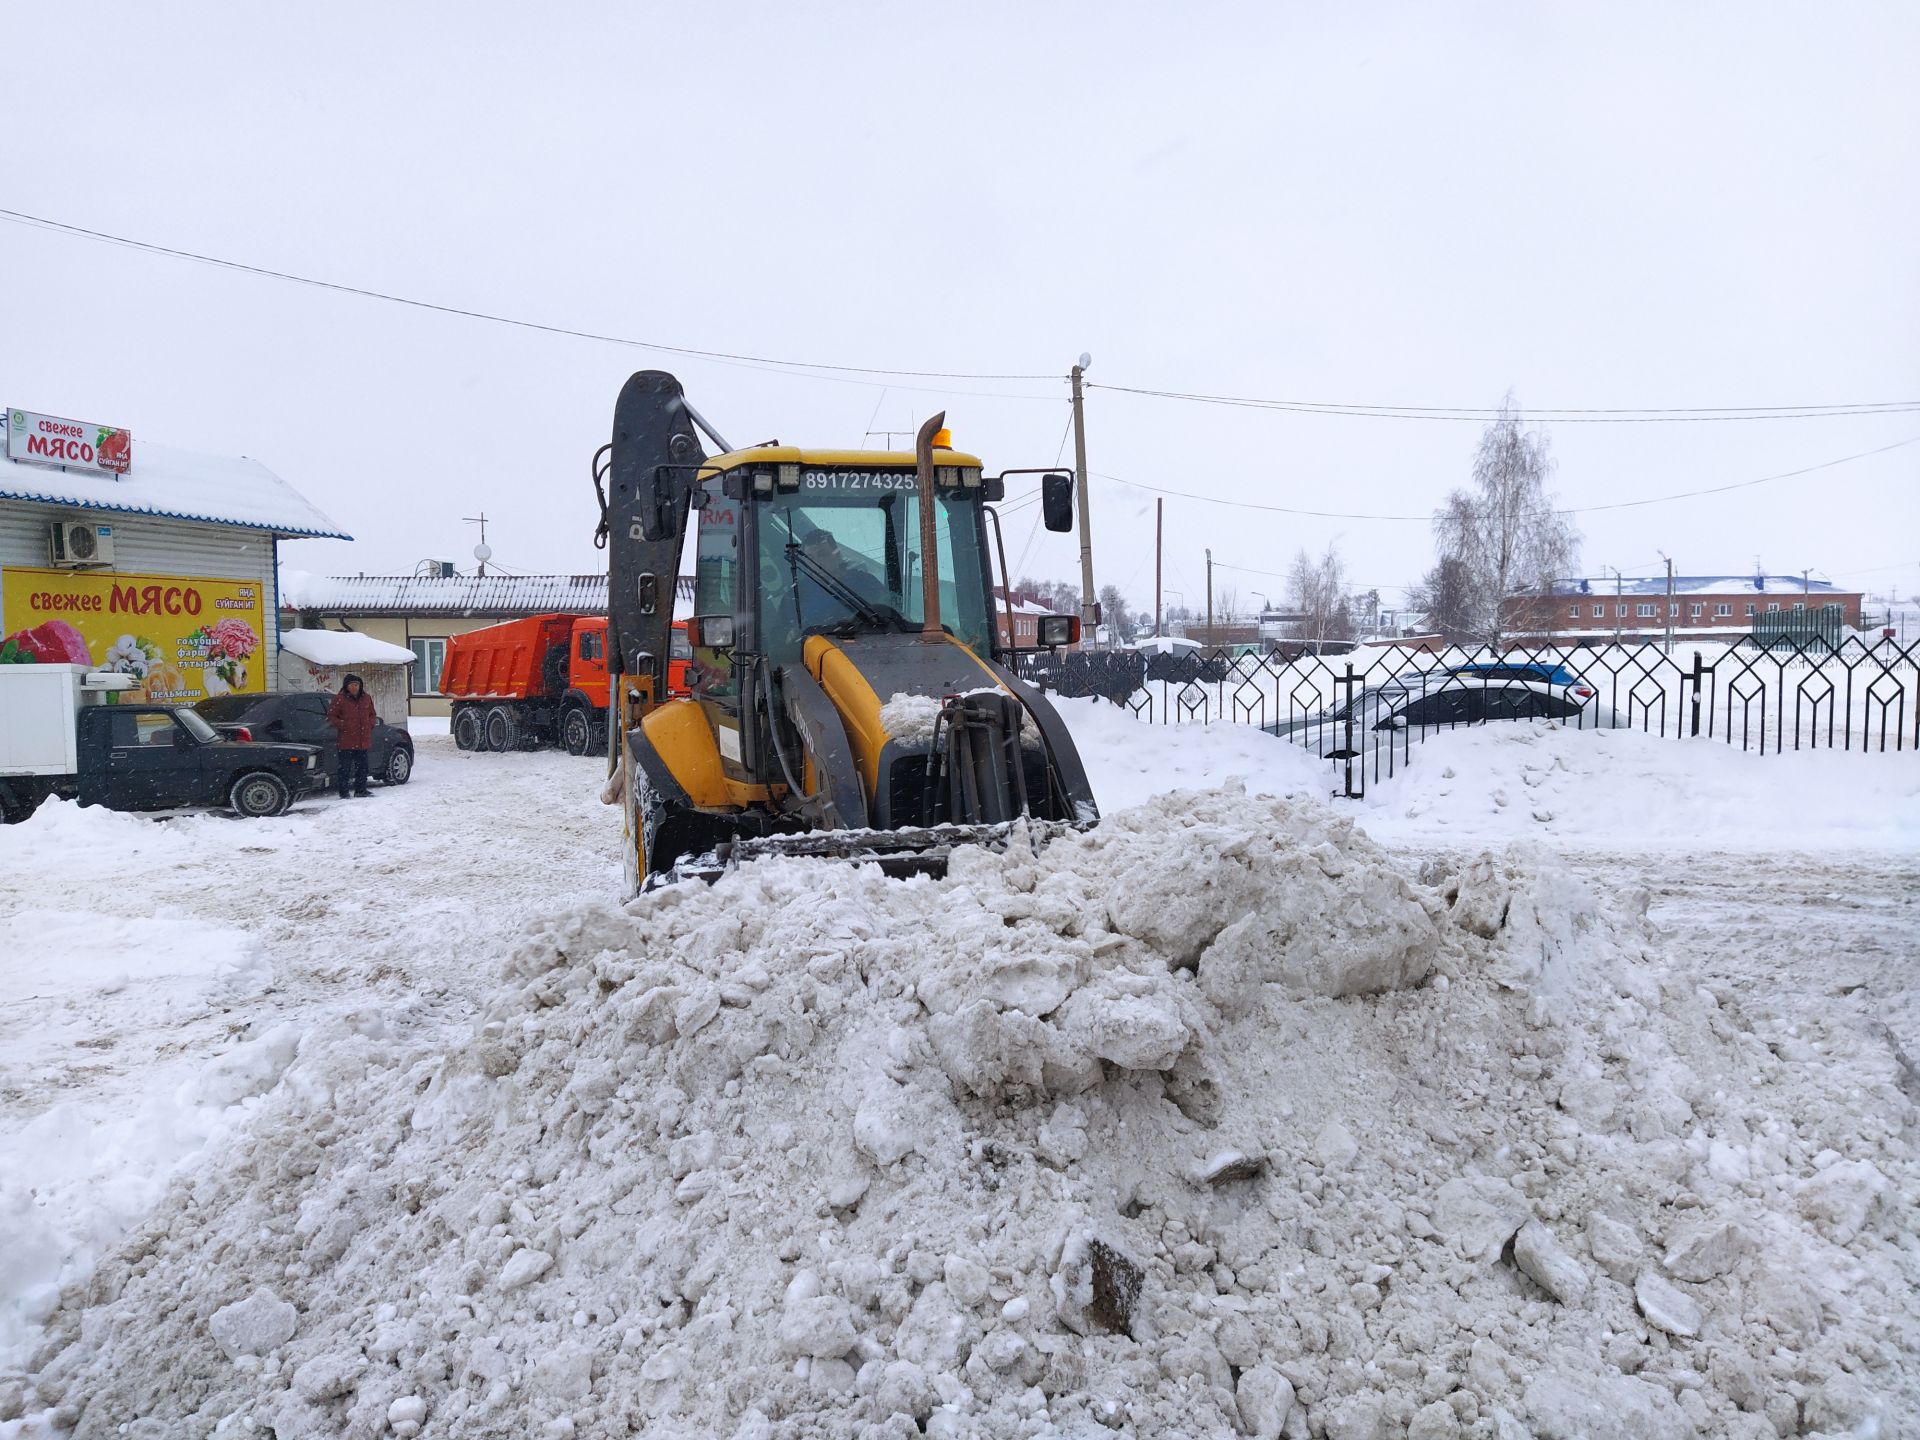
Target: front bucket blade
{"type": "Point", "coordinates": [919, 850]}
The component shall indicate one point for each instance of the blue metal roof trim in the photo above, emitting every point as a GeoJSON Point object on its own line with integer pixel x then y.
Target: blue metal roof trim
{"type": "Point", "coordinates": [8, 493]}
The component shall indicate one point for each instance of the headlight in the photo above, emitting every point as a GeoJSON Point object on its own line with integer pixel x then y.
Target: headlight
{"type": "Point", "coordinates": [1056, 630]}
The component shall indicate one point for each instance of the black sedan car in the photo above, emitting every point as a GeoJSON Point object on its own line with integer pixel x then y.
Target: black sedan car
{"type": "Point", "coordinates": [301, 717]}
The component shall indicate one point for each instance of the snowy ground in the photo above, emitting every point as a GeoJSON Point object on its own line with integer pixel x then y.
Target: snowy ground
{"type": "Point", "coordinates": [160, 977]}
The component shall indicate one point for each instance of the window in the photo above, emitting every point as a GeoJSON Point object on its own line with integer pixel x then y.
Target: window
{"type": "Point", "coordinates": [1798, 606]}
{"type": "Point", "coordinates": [1772, 606]}
{"type": "Point", "coordinates": [1672, 610]}
{"type": "Point", "coordinates": [1697, 611]}
{"type": "Point", "coordinates": [428, 657]}
{"type": "Point", "coordinates": [593, 645]}
{"type": "Point", "coordinates": [141, 727]}
{"type": "Point", "coordinates": [1574, 613]}
{"type": "Point", "coordinates": [1722, 609]}
{"type": "Point", "coordinates": [1599, 611]}
{"type": "Point", "coordinates": [1619, 611]}
{"type": "Point", "coordinates": [1511, 702]}
{"type": "Point", "coordinates": [1753, 609]}
{"type": "Point", "coordinates": [1644, 612]}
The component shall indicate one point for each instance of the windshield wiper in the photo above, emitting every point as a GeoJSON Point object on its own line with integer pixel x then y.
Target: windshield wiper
{"type": "Point", "coordinates": [885, 616]}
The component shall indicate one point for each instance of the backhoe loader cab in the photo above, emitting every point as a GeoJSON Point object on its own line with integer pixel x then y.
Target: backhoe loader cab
{"type": "Point", "coordinates": [849, 693]}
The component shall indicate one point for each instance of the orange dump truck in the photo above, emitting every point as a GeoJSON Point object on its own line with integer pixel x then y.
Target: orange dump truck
{"type": "Point", "coordinates": [538, 681]}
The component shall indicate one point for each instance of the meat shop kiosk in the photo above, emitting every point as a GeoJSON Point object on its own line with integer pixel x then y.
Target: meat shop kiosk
{"type": "Point", "coordinates": [155, 562]}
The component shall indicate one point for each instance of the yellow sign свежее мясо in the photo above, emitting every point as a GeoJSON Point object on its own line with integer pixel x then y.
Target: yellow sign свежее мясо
{"type": "Point", "coordinates": [183, 637]}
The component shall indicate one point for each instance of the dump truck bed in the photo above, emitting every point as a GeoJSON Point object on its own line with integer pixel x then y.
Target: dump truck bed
{"type": "Point", "coordinates": [505, 662]}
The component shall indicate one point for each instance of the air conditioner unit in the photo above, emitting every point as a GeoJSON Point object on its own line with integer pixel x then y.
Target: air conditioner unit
{"type": "Point", "coordinates": [77, 544]}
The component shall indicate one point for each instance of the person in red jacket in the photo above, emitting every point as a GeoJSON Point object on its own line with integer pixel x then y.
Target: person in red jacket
{"type": "Point", "coordinates": [351, 715]}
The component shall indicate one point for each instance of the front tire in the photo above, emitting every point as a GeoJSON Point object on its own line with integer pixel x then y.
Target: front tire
{"type": "Point", "coordinates": [259, 795]}
{"type": "Point", "coordinates": [503, 729]}
{"type": "Point", "coordinates": [399, 766]}
{"type": "Point", "coordinates": [576, 730]}
{"type": "Point", "coordinates": [469, 730]}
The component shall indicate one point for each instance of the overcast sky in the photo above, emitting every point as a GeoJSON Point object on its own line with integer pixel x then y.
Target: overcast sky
{"type": "Point", "coordinates": [1421, 205]}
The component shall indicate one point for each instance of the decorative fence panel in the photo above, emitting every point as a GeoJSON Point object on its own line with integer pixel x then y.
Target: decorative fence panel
{"type": "Point", "coordinates": [1367, 709]}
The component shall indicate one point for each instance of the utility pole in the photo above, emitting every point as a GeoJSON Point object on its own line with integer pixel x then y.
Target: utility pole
{"type": "Point", "coordinates": [1670, 606]}
{"type": "Point", "coordinates": [1210, 597]}
{"type": "Point", "coordinates": [482, 552]}
{"type": "Point", "coordinates": [1617, 597]}
{"type": "Point", "coordinates": [1159, 514]}
{"type": "Point", "coordinates": [1080, 491]}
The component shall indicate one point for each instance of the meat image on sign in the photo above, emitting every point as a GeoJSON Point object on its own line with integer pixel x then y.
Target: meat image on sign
{"type": "Point", "coordinates": [37, 439]}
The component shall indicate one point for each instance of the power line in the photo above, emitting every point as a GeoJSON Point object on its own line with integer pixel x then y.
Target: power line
{"type": "Point", "coordinates": [40, 221]}
{"type": "Point", "coordinates": [1573, 510]}
{"type": "Point", "coordinates": [825, 370]}
{"type": "Point", "coordinates": [1562, 415]}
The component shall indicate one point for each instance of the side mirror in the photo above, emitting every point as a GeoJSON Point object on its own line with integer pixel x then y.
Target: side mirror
{"type": "Point", "coordinates": [1056, 501]}
{"type": "Point", "coordinates": [1399, 722]}
{"type": "Point", "coordinates": [993, 488]}
{"type": "Point", "coordinates": [710, 632]}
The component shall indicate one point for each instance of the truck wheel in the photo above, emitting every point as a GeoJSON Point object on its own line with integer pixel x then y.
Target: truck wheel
{"type": "Point", "coordinates": [503, 729]}
{"type": "Point", "coordinates": [468, 731]}
{"type": "Point", "coordinates": [576, 731]}
{"type": "Point", "coordinates": [256, 796]}
{"type": "Point", "coordinates": [399, 766]}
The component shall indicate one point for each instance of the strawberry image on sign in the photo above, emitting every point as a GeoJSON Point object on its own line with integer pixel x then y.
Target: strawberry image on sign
{"type": "Point", "coordinates": [115, 450]}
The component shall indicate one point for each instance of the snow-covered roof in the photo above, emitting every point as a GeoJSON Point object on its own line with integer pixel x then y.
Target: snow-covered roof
{"type": "Point", "coordinates": [180, 485]}
{"type": "Point", "coordinates": [343, 647]}
{"type": "Point", "coordinates": [1166, 644]}
{"type": "Point", "coordinates": [1604, 585]}
{"type": "Point", "coordinates": [453, 594]}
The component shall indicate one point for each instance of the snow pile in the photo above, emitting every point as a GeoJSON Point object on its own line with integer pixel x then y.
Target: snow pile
{"type": "Point", "coordinates": [1206, 1122]}
{"type": "Point", "coordinates": [1630, 789]}
{"type": "Point", "coordinates": [910, 719]}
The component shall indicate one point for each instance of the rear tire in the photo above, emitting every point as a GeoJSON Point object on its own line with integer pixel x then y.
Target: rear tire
{"type": "Point", "coordinates": [469, 733]}
{"type": "Point", "coordinates": [259, 795]}
{"type": "Point", "coordinates": [503, 729]}
{"type": "Point", "coordinates": [576, 730]}
{"type": "Point", "coordinates": [399, 766]}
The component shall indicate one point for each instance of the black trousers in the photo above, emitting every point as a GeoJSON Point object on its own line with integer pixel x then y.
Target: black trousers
{"type": "Point", "coordinates": [352, 770]}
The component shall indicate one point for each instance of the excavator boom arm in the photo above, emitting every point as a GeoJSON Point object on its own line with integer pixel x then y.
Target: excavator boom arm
{"type": "Point", "coordinates": [654, 475]}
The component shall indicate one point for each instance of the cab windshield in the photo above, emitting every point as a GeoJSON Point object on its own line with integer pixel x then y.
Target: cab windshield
{"type": "Point", "coordinates": [846, 561]}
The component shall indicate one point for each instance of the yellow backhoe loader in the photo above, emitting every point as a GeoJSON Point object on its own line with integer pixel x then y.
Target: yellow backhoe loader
{"type": "Point", "coordinates": [852, 694]}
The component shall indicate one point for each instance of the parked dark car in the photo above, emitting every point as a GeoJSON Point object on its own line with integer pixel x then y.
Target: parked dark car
{"type": "Point", "coordinates": [1443, 703]}
{"type": "Point", "coordinates": [301, 717]}
{"type": "Point", "coordinates": [164, 757]}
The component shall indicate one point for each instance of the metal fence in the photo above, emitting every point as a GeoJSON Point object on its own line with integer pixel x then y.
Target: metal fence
{"type": "Point", "coordinates": [1774, 695]}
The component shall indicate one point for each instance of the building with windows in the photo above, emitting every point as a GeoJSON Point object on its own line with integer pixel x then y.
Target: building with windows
{"type": "Point", "coordinates": [1700, 606]}
{"type": "Point", "coordinates": [422, 612]}
{"type": "Point", "coordinates": [144, 559]}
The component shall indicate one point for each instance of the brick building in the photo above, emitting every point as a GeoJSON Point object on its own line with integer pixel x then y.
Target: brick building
{"type": "Point", "coordinates": [1700, 606]}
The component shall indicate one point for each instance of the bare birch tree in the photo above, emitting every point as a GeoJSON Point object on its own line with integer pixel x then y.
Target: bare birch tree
{"type": "Point", "coordinates": [1503, 530]}
{"type": "Point", "coordinates": [1316, 587]}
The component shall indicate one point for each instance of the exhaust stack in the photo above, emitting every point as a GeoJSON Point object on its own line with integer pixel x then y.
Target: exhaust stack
{"type": "Point", "coordinates": [929, 531]}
